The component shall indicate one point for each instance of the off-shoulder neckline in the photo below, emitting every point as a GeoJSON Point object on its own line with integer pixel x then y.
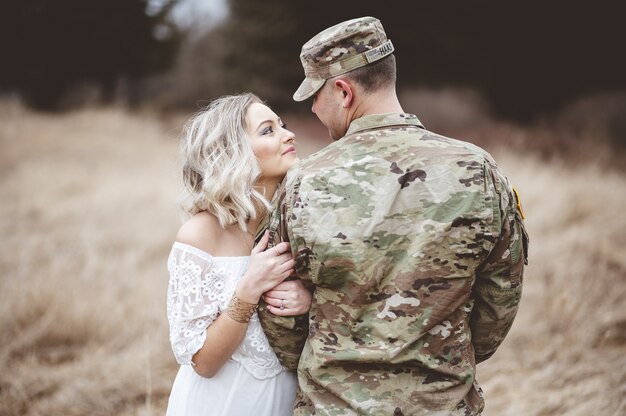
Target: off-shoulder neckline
{"type": "Point", "coordinates": [204, 254]}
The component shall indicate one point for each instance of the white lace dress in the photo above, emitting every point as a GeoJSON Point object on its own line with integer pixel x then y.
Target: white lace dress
{"type": "Point", "coordinates": [252, 382]}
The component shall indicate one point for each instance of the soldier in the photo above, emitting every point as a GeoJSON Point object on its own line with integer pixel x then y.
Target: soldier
{"type": "Point", "coordinates": [413, 243]}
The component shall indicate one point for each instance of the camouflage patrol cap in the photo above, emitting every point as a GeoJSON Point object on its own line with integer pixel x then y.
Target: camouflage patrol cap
{"type": "Point", "coordinates": [339, 49]}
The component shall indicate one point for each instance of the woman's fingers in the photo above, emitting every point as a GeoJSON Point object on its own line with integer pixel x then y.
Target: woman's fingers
{"type": "Point", "coordinates": [287, 286]}
{"type": "Point", "coordinates": [287, 265]}
{"type": "Point", "coordinates": [262, 244]}
{"type": "Point", "coordinates": [288, 298]}
{"type": "Point", "coordinates": [279, 312]}
{"type": "Point", "coordinates": [282, 248]}
{"type": "Point", "coordinates": [277, 294]}
{"type": "Point", "coordinates": [274, 297]}
{"type": "Point", "coordinates": [284, 258]}
{"type": "Point", "coordinates": [282, 304]}
{"type": "Point", "coordinates": [273, 301]}
{"type": "Point", "coordinates": [287, 309]}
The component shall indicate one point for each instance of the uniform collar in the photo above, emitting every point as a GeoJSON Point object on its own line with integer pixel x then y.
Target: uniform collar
{"type": "Point", "coordinates": [383, 120]}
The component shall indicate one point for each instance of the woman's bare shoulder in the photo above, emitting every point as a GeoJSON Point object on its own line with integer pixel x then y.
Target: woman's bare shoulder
{"type": "Point", "coordinates": [202, 231]}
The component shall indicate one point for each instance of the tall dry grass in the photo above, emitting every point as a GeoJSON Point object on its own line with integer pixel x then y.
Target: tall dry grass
{"type": "Point", "coordinates": [87, 215]}
{"type": "Point", "coordinates": [566, 353]}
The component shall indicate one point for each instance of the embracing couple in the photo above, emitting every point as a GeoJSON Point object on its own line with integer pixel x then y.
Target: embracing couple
{"type": "Point", "coordinates": [369, 278]}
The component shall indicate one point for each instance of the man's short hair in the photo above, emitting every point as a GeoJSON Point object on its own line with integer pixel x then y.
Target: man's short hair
{"type": "Point", "coordinates": [375, 76]}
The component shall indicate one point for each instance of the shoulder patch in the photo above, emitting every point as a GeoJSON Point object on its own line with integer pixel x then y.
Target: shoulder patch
{"type": "Point", "coordinates": [519, 203]}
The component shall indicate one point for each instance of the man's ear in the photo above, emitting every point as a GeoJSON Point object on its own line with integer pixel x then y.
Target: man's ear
{"type": "Point", "coordinates": [346, 89]}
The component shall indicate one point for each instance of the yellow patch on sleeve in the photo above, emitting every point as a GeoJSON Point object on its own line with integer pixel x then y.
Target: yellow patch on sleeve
{"type": "Point", "coordinates": [519, 203]}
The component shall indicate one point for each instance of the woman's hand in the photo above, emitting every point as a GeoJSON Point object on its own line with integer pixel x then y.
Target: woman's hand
{"type": "Point", "coordinates": [266, 269]}
{"type": "Point", "coordinates": [288, 298]}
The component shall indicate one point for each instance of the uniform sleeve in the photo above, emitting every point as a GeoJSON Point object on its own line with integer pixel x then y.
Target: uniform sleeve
{"type": "Point", "coordinates": [286, 334]}
{"type": "Point", "coordinates": [193, 299]}
{"type": "Point", "coordinates": [498, 286]}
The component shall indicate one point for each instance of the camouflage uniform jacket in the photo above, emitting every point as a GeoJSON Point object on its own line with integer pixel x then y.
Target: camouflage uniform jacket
{"type": "Point", "coordinates": [415, 248]}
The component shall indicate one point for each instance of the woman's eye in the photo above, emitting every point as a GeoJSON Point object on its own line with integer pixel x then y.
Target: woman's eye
{"type": "Point", "coordinates": [284, 125]}
{"type": "Point", "coordinates": [267, 130]}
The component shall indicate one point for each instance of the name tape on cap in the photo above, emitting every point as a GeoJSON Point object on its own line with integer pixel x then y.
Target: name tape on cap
{"type": "Point", "coordinates": [379, 52]}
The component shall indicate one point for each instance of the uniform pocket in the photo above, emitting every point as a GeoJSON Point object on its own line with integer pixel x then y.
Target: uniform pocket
{"type": "Point", "coordinates": [525, 241]}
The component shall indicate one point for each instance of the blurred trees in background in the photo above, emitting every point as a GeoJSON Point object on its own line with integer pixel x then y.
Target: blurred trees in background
{"type": "Point", "coordinates": [526, 58]}
{"type": "Point", "coordinates": [255, 49]}
{"type": "Point", "coordinates": [51, 47]}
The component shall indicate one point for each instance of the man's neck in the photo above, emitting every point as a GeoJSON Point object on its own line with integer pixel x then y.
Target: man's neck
{"type": "Point", "coordinates": [377, 103]}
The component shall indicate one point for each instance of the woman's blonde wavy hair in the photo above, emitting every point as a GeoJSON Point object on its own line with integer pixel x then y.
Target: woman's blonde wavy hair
{"type": "Point", "coordinates": [220, 169]}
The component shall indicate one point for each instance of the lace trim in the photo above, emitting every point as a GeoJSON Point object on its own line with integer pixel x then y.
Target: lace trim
{"type": "Point", "coordinates": [200, 288]}
{"type": "Point", "coordinates": [255, 354]}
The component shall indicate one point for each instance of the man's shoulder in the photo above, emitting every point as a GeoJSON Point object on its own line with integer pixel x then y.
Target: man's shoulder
{"type": "Point", "coordinates": [399, 141]}
{"type": "Point", "coordinates": [408, 146]}
{"type": "Point", "coordinates": [452, 146]}
{"type": "Point", "coordinates": [326, 153]}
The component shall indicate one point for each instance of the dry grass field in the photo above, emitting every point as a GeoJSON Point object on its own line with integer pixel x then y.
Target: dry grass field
{"type": "Point", "coordinates": [88, 210]}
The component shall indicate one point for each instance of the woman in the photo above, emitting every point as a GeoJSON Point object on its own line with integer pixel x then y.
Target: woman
{"type": "Point", "coordinates": [236, 152]}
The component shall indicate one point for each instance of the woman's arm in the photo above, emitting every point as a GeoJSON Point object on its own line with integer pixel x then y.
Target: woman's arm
{"type": "Point", "coordinates": [266, 269]}
{"type": "Point", "coordinates": [223, 337]}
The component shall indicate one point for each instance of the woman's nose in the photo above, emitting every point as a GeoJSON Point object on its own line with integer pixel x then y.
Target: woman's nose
{"type": "Point", "coordinates": [289, 136]}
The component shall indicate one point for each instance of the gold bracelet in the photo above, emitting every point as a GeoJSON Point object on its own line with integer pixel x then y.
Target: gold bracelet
{"type": "Point", "coordinates": [239, 310]}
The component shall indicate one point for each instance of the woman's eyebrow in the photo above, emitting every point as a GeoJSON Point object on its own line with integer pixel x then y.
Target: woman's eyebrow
{"type": "Point", "coordinates": [263, 122]}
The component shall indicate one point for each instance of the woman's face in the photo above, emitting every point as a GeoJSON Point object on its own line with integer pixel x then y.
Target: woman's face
{"type": "Point", "coordinates": [272, 143]}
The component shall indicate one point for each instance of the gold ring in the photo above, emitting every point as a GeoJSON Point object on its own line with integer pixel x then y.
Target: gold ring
{"type": "Point", "coordinates": [276, 250]}
{"type": "Point", "coordinates": [282, 304]}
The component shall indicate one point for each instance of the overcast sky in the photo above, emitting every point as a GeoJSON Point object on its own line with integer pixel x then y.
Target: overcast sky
{"type": "Point", "coordinates": [199, 14]}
